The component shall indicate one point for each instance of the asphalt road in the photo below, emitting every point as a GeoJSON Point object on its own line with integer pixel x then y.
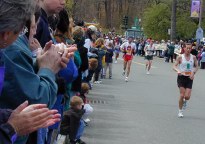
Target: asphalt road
{"type": "Point", "coordinates": [144, 110]}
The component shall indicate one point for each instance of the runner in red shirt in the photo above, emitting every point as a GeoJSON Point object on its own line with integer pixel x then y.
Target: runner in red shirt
{"type": "Point", "coordinates": [128, 48]}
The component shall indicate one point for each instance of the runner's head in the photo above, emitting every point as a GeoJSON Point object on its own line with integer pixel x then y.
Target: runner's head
{"type": "Point", "coordinates": [130, 39]}
{"type": "Point", "coordinates": [14, 14]}
{"type": "Point", "coordinates": [151, 42]}
{"type": "Point", "coordinates": [188, 48]}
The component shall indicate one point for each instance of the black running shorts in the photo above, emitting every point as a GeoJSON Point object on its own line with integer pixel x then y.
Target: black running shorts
{"type": "Point", "coordinates": [149, 58]}
{"type": "Point", "coordinates": [184, 81]}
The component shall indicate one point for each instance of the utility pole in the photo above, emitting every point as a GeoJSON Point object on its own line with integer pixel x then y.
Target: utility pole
{"type": "Point", "coordinates": [199, 31]}
{"type": "Point", "coordinates": [200, 14]}
{"type": "Point", "coordinates": [173, 20]}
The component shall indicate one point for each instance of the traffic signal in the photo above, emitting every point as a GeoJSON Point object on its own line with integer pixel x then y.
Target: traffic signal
{"type": "Point", "coordinates": [123, 20]}
{"type": "Point", "coordinates": [126, 20]}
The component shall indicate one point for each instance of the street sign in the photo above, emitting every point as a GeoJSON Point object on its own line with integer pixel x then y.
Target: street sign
{"type": "Point", "coordinates": [199, 33]}
{"type": "Point", "coordinates": [169, 31]}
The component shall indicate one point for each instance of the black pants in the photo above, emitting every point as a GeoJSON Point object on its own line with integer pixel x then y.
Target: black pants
{"type": "Point", "coordinates": [202, 65]}
{"type": "Point", "coordinates": [170, 56]}
{"type": "Point", "coordinates": [97, 73]}
{"type": "Point", "coordinates": [90, 75]}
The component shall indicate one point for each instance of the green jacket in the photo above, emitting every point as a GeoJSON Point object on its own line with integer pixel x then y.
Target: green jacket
{"type": "Point", "coordinates": [171, 49]}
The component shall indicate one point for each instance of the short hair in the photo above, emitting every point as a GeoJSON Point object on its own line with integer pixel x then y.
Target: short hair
{"type": "Point", "coordinates": [15, 13]}
{"type": "Point", "coordinates": [75, 101]}
{"type": "Point", "coordinates": [78, 33]}
{"type": "Point", "coordinates": [188, 43]}
{"type": "Point", "coordinates": [93, 63]}
{"type": "Point", "coordinates": [110, 44]}
{"type": "Point", "coordinates": [84, 88]}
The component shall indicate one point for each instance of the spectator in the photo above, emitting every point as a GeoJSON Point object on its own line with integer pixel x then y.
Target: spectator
{"type": "Point", "coordinates": [203, 59]}
{"type": "Point", "coordinates": [170, 53]}
{"type": "Point", "coordinates": [45, 34]}
{"type": "Point", "coordinates": [72, 123]}
{"type": "Point", "coordinates": [11, 121]}
{"type": "Point", "coordinates": [194, 51]}
{"type": "Point", "coordinates": [42, 85]}
{"type": "Point", "coordinates": [93, 64]}
{"type": "Point", "coordinates": [109, 60]}
{"type": "Point", "coordinates": [12, 20]}
{"type": "Point", "coordinates": [100, 52]}
{"type": "Point", "coordinates": [80, 40]}
{"type": "Point", "coordinates": [90, 35]}
{"type": "Point", "coordinates": [90, 39]}
{"type": "Point", "coordinates": [62, 32]}
{"type": "Point", "coordinates": [49, 8]}
{"type": "Point", "coordinates": [87, 107]}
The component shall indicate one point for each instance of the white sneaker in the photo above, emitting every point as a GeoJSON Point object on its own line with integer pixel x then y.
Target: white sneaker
{"type": "Point", "coordinates": [126, 79]}
{"type": "Point", "coordinates": [148, 73]}
{"type": "Point", "coordinates": [87, 120]}
{"type": "Point", "coordinates": [96, 82]}
{"type": "Point", "coordinates": [115, 62]}
{"type": "Point", "coordinates": [180, 114]}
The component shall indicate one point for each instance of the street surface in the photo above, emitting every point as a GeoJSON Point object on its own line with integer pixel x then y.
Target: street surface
{"type": "Point", "coordinates": [144, 110]}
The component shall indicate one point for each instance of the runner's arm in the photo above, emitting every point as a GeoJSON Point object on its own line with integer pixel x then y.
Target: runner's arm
{"type": "Point", "coordinates": [175, 67]}
{"type": "Point", "coordinates": [196, 67]}
{"type": "Point", "coordinates": [145, 49]}
{"type": "Point", "coordinates": [122, 47]}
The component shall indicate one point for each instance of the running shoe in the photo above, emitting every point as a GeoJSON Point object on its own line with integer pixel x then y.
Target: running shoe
{"type": "Point", "coordinates": [126, 79]}
{"type": "Point", "coordinates": [79, 141]}
{"type": "Point", "coordinates": [97, 82]}
{"type": "Point", "coordinates": [148, 73]}
{"type": "Point", "coordinates": [87, 120]}
{"type": "Point", "coordinates": [115, 62]}
{"type": "Point", "coordinates": [184, 104]}
{"type": "Point", "coordinates": [123, 73]}
{"type": "Point", "coordinates": [180, 114]}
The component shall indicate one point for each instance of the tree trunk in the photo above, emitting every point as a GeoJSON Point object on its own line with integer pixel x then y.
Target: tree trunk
{"type": "Point", "coordinates": [173, 20]}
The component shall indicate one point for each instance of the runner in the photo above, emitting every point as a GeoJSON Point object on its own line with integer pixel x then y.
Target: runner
{"type": "Point", "coordinates": [117, 48]}
{"type": "Point", "coordinates": [128, 48]}
{"type": "Point", "coordinates": [149, 52]}
{"type": "Point", "coordinates": [188, 67]}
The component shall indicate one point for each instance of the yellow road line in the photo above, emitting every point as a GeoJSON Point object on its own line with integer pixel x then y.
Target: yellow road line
{"type": "Point", "coordinates": [138, 63]}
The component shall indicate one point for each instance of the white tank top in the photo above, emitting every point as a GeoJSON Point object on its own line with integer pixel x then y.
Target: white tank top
{"type": "Point", "coordinates": [187, 67]}
{"type": "Point", "coordinates": [150, 50]}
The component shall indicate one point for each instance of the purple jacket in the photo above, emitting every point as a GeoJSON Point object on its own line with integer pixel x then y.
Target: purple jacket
{"type": "Point", "coordinates": [7, 133]}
